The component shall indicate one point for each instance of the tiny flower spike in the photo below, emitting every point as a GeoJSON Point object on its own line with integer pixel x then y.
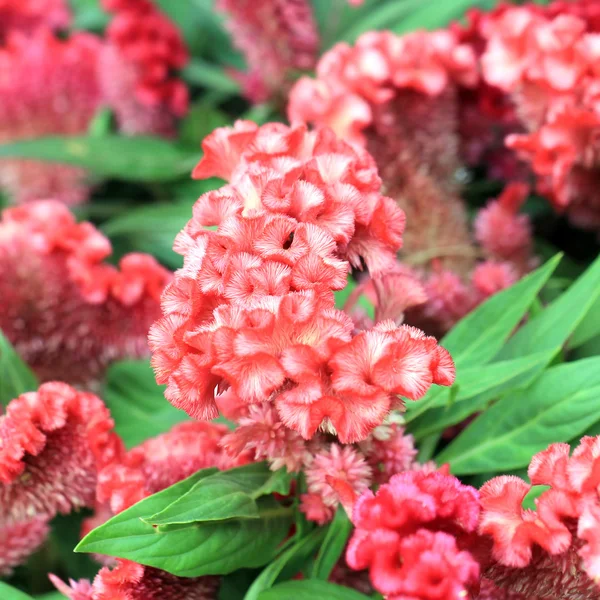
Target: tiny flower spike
{"type": "Point", "coordinates": [69, 314]}
{"type": "Point", "coordinates": [250, 318]}
{"type": "Point", "coordinates": [553, 551]}
{"type": "Point", "coordinates": [59, 96]}
{"type": "Point", "coordinates": [53, 443]}
{"type": "Point", "coordinates": [28, 15]}
{"type": "Point", "coordinates": [137, 68]}
{"type": "Point", "coordinates": [413, 535]}
{"type": "Point", "coordinates": [277, 38]}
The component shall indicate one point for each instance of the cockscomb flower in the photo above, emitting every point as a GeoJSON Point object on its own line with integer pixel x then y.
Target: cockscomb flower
{"type": "Point", "coordinates": [28, 15]}
{"type": "Point", "coordinates": [553, 550]}
{"type": "Point", "coordinates": [53, 443]}
{"type": "Point", "coordinates": [138, 66]}
{"type": "Point", "coordinates": [59, 96]}
{"type": "Point", "coordinates": [130, 581]}
{"type": "Point", "coordinates": [69, 314]}
{"type": "Point", "coordinates": [161, 462]}
{"type": "Point", "coordinates": [277, 38]}
{"type": "Point", "coordinates": [413, 536]}
{"type": "Point", "coordinates": [250, 318]}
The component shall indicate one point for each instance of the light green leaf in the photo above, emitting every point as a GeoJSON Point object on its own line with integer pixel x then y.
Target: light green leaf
{"type": "Point", "coordinates": [287, 564]}
{"type": "Point", "coordinates": [224, 495]}
{"type": "Point", "coordinates": [141, 158]}
{"type": "Point", "coordinates": [211, 76]}
{"type": "Point", "coordinates": [15, 376]}
{"type": "Point", "coordinates": [310, 589]}
{"type": "Point", "coordinates": [137, 403]}
{"type": "Point", "coordinates": [10, 593]}
{"type": "Point", "coordinates": [589, 327]}
{"type": "Point", "coordinates": [561, 404]}
{"type": "Point", "coordinates": [338, 533]}
{"type": "Point", "coordinates": [199, 549]}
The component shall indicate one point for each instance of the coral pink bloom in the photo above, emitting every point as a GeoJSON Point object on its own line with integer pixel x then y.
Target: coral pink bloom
{"type": "Point", "coordinates": [53, 443]}
{"type": "Point", "coordinates": [412, 536]}
{"type": "Point", "coordinates": [130, 581]}
{"type": "Point", "coordinates": [59, 96]}
{"type": "Point", "coordinates": [144, 48]}
{"type": "Point", "coordinates": [553, 550]}
{"type": "Point", "coordinates": [28, 15]}
{"type": "Point", "coordinates": [67, 312]}
{"type": "Point", "coordinates": [277, 38]}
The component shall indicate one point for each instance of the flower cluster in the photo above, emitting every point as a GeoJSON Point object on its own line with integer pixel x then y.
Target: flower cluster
{"type": "Point", "coordinates": [414, 535]}
{"type": "Point", "coordinates": [67, 312]}
{"type": "Point", "coordinates": [70, 79]}
{"type": "Point", "coordinates": [53, 443]}
{"type": "Point", "coordinates": [555, 549]}
{"type": "Point", "coordinates": [277, 38]}
{"type": "Point", "coordinates": [402, 98]}
{"type": "Point", "coordinates": [250, 319]}
{"type": "Point", "coordinates": [546, 59]}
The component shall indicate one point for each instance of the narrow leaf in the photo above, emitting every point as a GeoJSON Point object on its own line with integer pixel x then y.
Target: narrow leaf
{"type": "Point", "coordinates": [310, 589]}
{"type": "Point", "coordinates": [15, 376]}
{"type": "Point", "coordinates": [338, 533]}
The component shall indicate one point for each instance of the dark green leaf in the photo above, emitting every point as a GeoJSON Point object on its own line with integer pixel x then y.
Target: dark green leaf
{"type": "Point", "coordinates": [338, 533]}
{"type": "Point", "coordinates": [310, 589]}
{"type": "Point", "coordinates": [561, 404]}
{"type": "Point", "coordinates": [225, 495]}
{"type": "Point", "coordinates": [137, 403]}
{"type": "Point", "coordinates": [287, 564]}
{"type": "Point", "coordinates": [211, 76]}
{"type": "Point", "coordinates": [15, 376]}
{"type": "Point", "coordinates": [142, 158]}
{"type": "Point", "coordinates": [199, 549]}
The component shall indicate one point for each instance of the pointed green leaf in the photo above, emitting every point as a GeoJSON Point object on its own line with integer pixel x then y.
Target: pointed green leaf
{"type": "Point", "coordinates": [338, 533]}
{"type": "Point", "coordinates": [560, 405]}
{"type": "Point", "coordinates": [199, 549]}
{"type": "Point", "coordinates": [10, 593]}
{"type": "Point", "coordinates": [15, 376]}
{"type": "Point", "coordinates": [140, 158]}
{"type": "Point", "coordinates": [310, 589]}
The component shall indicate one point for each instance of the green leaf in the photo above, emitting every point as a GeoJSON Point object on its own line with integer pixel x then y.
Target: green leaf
{"type": "Point", "coordinates": [15, 376]}
{"type": "Point", "coordinates": [552, 327]}
{"type": "Point", "coordinates": [10, 593]}
{"type": "Point", "coordinates": [137, 403]}
{"type": "Point", "coordinates": [561, 404]}
{"type": "Point", "coordinates": [310, 589]}
{"type": "Point", "coordinates": [476, 386]}
{"type": "Point", "coordinates": [195, 550]}
{"type": "Point", "coordinates": [287, 564]}
{"type": "Point", "coordinates": [228, 494]}
{"type": "Point", "coordinates": [338, 533]}
{"type": "Point", "coordinates": [589, 327]}
{"type": "Point", "coordinates": [140, 158]}
{"type": "Point", "coordinates": [201, 120]}
{"type": "Point", "coordinates": [211, 76]}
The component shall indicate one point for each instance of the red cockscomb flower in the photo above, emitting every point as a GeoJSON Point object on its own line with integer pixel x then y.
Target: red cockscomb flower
{"type": "Point", "coordinates": [53, 443]}
{"type": "Point", "coordinates": [412, 535]}
{"type": "Point", "coordinates": [67, 312]}
{"type": "Point", "coordinates": [277, 37]}
{"type": "Point", "coordinates": [28, 15]}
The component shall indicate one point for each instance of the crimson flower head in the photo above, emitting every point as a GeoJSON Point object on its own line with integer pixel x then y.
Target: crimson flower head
{"type": "Point", "coordinates": [53, 443]}
{"type": "Point", "coordinates": [413, 537]}
{"type": "Point", "coordinates": [28, 15]}
{"type": "Point", "coordinates": [553, 550]}
{"type": "Point", "coordinates": [59, 96]}
{"type": "Point", "coordinates": [277, 38]}
{"type": "Point", "coordinates": [68, 313]}
{"type": "Point", "coordinates": [250, 318]}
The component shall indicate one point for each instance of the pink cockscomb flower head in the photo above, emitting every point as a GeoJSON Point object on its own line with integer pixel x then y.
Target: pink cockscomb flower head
{"type": "Point", "coordinates": [331, 470]}
{"type": "Point", "coordinates": [413, 537]}
{"type": "Point", "coordinates": [277, 38]}
{"type": "Point", "coordinates": [553, 550]}
{"type": "Point", "coordinates": [53, 443]}
{"type": "Point", "coordinates": [251, 317]}
{"type": "Point", "coordinates": [138, 65]}
{"type": "Point", "coordinates": [161, 462]}
{"type": "Point", "coordinates": [28, 15]}
{"type": "Point", "coordinates": [59, 96]}
{"type": "Point", "coordinates": [130, 581]}
{"type": "Point", "coordinates": [67, 312]}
